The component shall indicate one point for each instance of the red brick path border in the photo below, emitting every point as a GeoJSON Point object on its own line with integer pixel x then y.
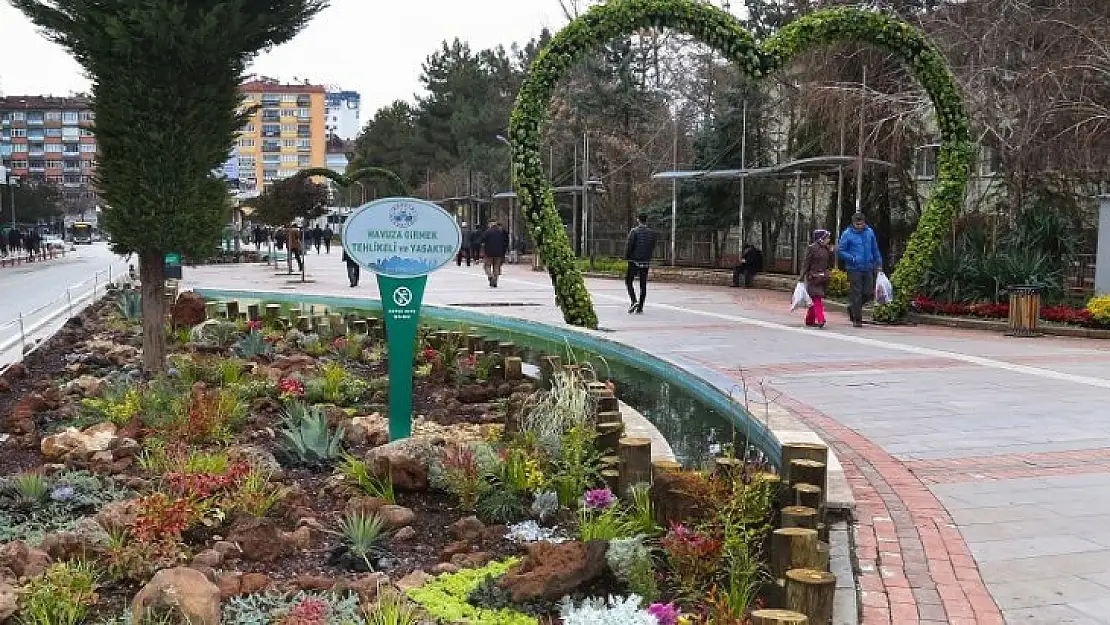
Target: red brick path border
{"type": "Point", "coordinates": [915, 568]}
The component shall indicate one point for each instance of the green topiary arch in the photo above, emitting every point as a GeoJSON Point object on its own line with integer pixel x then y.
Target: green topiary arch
{"type": "Point", "coordinates": [365, 173]}
{"type": "Point", "coordinates": [722, 32]}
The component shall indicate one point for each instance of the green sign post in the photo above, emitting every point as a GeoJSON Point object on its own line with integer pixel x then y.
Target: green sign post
{"type": "Point", "coordinates": [401, 240]}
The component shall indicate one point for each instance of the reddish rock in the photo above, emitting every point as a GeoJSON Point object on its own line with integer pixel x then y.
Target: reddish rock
{"type": "Point", "coordinates": [404, 534]}
{"type": "Point", "coordinates": [467, 528]}
{"type": "Point", "coordinates": [260, 540]}
{"type": "Point", "coordinates": [185, 591]}
{"type": "Point", "coordinates": [444, 567]}
{"type": "Point", "coordinates": [209, 558]}
{"type": "Point", "coordinates": [404, 470]}
{"type": "Point", "coordinates": [188, 310]}
{"type": "Point", "coordinates": [313, 582]}
{"type": "Point", "coordinates": [16, 371]}
{"type": "Point", "coordinates": [365, 505]}
{"type": "Point", "coordinates": [229, 585]}
{"type": "Point", "coordinates": [22, 560]}
{"type": "Point", "coordinates": [366, 586]}
{"type": "Point", "coordinates": [552, 571]}
{"type": "Point", "coordinates": [452, 549]}
{"type": "Point", "coordinates": [253, 582]}
{"type": "Point", "coordinates": [471, 560]}
{"type": "Point", "coordinates": [396, 517]}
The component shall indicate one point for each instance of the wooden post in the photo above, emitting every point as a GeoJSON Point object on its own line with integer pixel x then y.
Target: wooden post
{"type": "Point", "coordinates": [778, 617]}
{"type": "Point", "coordinates": [809, 496]}
{"type": "Point", "coordinates": [610, 462]}
{"type": "Point", "coordinates": [802, 451]}
{"type": "Point", "coordinates": [513, 369]}
{"type": "Point", "coordinates": [799, 516]}
{"type": "Point", "coordinates": [613, 416]}
{"type": "Point", "coordinates": [253, 312]}
{"type": "Point", "coordinates": [612, 479]}
{"type": "Point", "coordinates": [336, 323]}
{"type": "Point", "coordinates": [793, 548]}
{"type": "Point", "coordinates": [489, 346]}
{"type": "Point", "coordinates": [635, 454]}
{"type": "Point", "coordinates": [811, 592]}
{"type": "Point", "coordinates": [609, 434]}
{"type": "Point", "coordinates": [233, 310]}
{"type": "Point", "coordinates": [548, 366]}
{"type": "Point", "coordinates": [807, 472]}
{"type": "Point", "coordinates": [474, 343]}
{"type": "Point", "coordinates": [359, 326]}
{"type": "Point", "coordinates": [304, 323]}
{"type": "Point", "coordinates": [506, 349]}
{"type": "Point", "coordinates": [663, 466]}
{"type": "Point", "coordinates": [608, 403]}
{"type": "Point", "coordinates": [455, 337]}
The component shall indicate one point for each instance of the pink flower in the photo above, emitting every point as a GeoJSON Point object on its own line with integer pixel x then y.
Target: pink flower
{"type": "Point", "coordinates": [291, 386]}
{"type": "Point", "coordinates": [254, 326]}
{"type": "Point", "coordinates": [665, 613]}
{"type": "Point", "coordinates": [598, 498]}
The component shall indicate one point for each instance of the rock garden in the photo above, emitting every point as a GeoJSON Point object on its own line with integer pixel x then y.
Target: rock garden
{"type": "Point", "coordinates": [255, 482]}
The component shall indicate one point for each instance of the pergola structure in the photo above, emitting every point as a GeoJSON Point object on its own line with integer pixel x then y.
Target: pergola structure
{"type": "Point", "coordinates": [812, 166]}
{"type": "Point", "coordinates": [594, 187]}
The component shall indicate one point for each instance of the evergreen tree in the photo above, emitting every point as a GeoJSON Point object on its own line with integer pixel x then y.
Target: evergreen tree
{"type": "Point", "coordinates": [166, 78]}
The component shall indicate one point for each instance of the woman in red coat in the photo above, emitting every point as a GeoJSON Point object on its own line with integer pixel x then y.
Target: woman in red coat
{"type": "Point", "coordinates": [816, 270]}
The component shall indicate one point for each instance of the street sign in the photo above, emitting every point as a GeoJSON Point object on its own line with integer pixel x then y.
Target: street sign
{"type": "Point", "coordinates": [401, 240]}
{"type": "Point", "coordinates": [172, 263]}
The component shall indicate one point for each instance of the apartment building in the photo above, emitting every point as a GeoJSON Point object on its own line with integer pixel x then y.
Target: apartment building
{"type": "Point", "coordinates": [50, 139]}
{"type": "Point", "coordinates": [343, 113]}
{"type": "Point", "coordinates": [284, 135]}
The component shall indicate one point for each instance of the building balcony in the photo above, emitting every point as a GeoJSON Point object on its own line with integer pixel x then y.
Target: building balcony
{"type": "Point", "coordinates": [304, 102]}
{"type": "Point", "coordinates": [34, 122]}
{"type": "Point", "coordinates": [36, 153]}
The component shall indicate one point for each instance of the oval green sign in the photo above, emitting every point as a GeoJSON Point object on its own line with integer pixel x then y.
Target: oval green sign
{"type": "Point", "coordinates": [401, 237]}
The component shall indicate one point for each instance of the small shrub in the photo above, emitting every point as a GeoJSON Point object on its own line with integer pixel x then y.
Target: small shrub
{"type": "Point", "coordinates": [447, 598]}
{"type": "Point", "coordinates": [273, 607]}
{"type": "Point", "coordinates": [545, 504]}
{"type": "Point", "coordinates": [391, 608]}
{"type": "Point", "coordinates": [256, 495]}
{"type": "Point", "coordinates": [33, 505]}
{"type": "Point", "coordinates": [364, 537]}
{"type": "Point", "coordinates": [129, 304]}
{"type": "Point", "coordinates": [500, 506]}
{"type": "Point", "coordinates": [306, 439]}
{"type": "Point", "coordinates": [1099, 307]}
{"type": "Point", "coordinates": [838, 283]}
{"type": "Point", "coordinates": [60, 596]}
{"type": "Point", "coordinates": [358, 473]}
{"type": "Point", "coordinates": [461, 475]}
{"type": "Point", "coordinates": [615, 611]}
{"type": "Point", "coordinates": [253, 345]}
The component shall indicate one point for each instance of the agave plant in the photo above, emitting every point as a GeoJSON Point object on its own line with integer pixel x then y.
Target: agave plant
{"type": "Point", "coordinates": [129, 303]}
{"type": "Point", "coordinates": [305, 438]}
{"type": "Point", "coordinates": [253, 345]}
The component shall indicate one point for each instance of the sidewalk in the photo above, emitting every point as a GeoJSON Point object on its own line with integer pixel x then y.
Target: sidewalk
{"type": "Point", "coordinates": [979, 464]}
{"type": "Point", "coordinates": [22, 259]}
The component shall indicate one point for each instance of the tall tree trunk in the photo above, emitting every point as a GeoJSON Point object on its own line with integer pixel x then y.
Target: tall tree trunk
{"type": "Point", "coordinates": [152, 273]}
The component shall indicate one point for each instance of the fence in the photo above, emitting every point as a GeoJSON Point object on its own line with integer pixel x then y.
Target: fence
{"type": "Point", "coordinates": [30, 329]}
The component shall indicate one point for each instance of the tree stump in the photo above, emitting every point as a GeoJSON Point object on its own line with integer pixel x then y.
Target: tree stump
{"type": "Point", "coordinates": [304, 323]}
{"type": "Point", "coordinates": [802, 451]}
{"type": "Point", "coordinates": [474, 343]}
{"type": "Point", "coordinates": [809, 496]}
{"type": "Point", "coordinates": [513, 368]}
{"type": "Point", "coordinates": [359, 326]}
{"type": "Point", "coordinates": [608, 403]}
{"type": "Point", "coordinates": [729, 469]}
{"type": "Point", "coordinates": [799, 516]}
{"type": "Point", "coordinates": [506, 349]}
{"type": "Point", "coordinates": [610, 416]}
{"type": "Point", "coordinates": [793, 548]}
{"type": "Point", "coordinates": [663, 466]}
{"type": "Point", "coordinates": [778, 617]}
{"type": "Point", "coordinates": [233, 310]}
{"type": "Point", "coordinates": [822, 531]}
{"type": "Point", "coordinates": [609, 434]}
{"type": "Point", "coordinates": [807, 472]}
{"type": "Point", "coordinates": [490, 346]}
{"type": "Point", "coordinates": [337, 325]}
{"type": "Point", "coordinates": [811, 592]}
{"type": "Point", "coordinates": [612, 479]}
{"type": "Point", "coordinates": [611, 462]}
{"type": "Point", "coordinates": [635, 454]}
{"type": "Point", "coordinates": [573, 371]}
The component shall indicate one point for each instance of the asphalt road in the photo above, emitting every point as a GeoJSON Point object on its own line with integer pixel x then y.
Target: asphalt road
{"type": "Point", "coordinates": [36, 289]}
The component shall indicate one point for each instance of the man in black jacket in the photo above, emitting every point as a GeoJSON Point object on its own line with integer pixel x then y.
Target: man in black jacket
{"type": "Point", "coordinates": [496, 243]}
{"type": "Point", "coordinates": [638, 253]}
{"type": "Point", "coordinates": [751, 263]}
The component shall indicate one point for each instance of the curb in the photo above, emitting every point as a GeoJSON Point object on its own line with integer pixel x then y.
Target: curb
{"type": "Point", "coordinates": [999, 326]}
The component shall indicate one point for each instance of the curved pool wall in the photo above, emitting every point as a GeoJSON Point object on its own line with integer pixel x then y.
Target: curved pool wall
{"type": "Point", "coordinates": [613, 355]}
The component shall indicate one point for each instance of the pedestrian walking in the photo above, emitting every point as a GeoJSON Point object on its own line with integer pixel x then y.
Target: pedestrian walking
{"type": "Point", "coordinates": [329, 234]}
{"type": "Point", "coordinates": [475, 243]}
{"type": "Point", "coordinates": [495, 243]}
{"type": "Point", "coordinates": [464, 248]}
{"type": "Point", "coordinates": [296, 249]}
{"type": "Point", "coordinates": [638, 253]}
{"type": "Point", "coordinates": [281, 235]}
{"type": "Point", "coordinates": [317, 238]}
{"type": "Point", "coordinates": [751, 263]}
{"type": "Point", "coordinates": [816, 268]}
{"type": "Point", "coordinates": [859, 250]}
{"type": "Point", "coordinates": [353, 269]}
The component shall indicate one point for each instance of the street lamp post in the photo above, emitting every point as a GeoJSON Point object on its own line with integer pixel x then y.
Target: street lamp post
{"type": "Point", "coordinates": [512, 206]}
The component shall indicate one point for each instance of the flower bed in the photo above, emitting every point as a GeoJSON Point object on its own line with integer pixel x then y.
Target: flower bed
{"type": "Point", "coordinates": [1056, 314]}
{"type": "Point", "coordinates": [255, 483]}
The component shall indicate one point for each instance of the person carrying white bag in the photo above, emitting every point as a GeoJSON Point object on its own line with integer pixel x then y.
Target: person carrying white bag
{"type": "Point", "coordinates": [859, 249]}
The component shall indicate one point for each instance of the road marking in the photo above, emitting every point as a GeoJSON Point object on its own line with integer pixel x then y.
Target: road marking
{"type": "Point", "coordinates": [869, 342]}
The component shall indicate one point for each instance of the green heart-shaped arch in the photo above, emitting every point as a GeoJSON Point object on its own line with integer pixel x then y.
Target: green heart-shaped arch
{"type": "Point", "coordinates": [356, 176]}
{"type": "Point", "coordinates": [721, 31]}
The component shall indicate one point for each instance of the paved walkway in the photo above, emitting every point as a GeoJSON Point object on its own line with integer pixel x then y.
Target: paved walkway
{"type": "Point", "coordinates": [980, 464]}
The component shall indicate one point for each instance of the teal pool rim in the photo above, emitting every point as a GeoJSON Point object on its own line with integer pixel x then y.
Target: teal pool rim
{"type": "Point", "coordinates": [758, 434]}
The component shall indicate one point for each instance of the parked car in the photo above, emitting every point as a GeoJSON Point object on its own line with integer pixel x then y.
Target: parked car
{"type": "Point", "coordinates": [54, 243]}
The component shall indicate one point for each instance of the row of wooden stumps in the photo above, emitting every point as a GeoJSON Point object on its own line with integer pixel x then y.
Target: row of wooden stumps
{"type": "Point", "coordinates": [507, 363]}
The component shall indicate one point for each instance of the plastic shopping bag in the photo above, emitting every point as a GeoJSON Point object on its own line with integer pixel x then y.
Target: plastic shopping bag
{"type": "Point", "coordinates": [801, 298]}
{"type": "Point", "coordinates": [884, 290]}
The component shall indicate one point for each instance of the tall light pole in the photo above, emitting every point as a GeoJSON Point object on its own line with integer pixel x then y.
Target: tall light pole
{"type": "Point", "coordinates": [674, 184]}
{"type": "Point", "coordinates": [512, 203]}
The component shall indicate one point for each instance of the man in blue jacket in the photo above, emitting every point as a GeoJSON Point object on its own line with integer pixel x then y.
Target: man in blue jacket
{"type": "Point", "coordinates": [860, 252]}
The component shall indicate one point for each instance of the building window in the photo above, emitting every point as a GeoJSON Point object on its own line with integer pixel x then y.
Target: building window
{"type": "Point", "coordinates": [19, 164]}
{"type": "Point", "coordinates": [19, 132]}
{"type": "Point", "coordinates": [289, 158]}
{"type": "Point", "coordinates": [271, 130]}
{"type": "Point", "coordinates": [6, 150]}
{"type": "Point", "coordinates": [926, 166]}
{"type": "Point", "coordinates": [53, 132]}
{"type": "Point", "coordinates": [288, 112]}
{"type": "Point", "coordinates": [35, 134]}
{"type": "Point", "coordinates": [304, 161]}
{"type": "Point", "coordinates": [304, 144]}
{"type": "Point", "coordinates": [990, 162]}
{"type": "Point", "coordinates": [289, 128]}
{"type": "Point", "coordinates": [85, 132]}
{"type": "Point", "coordinates": [288, 97]}
{"type": "Point", "coordinates": [87, 116]}
{"type": "Point", "coordinates": [36, 163]}
{"type": "Point", "coordinates": [53, 148]}
{"type": "Point", "coordinates": [34, 117]}
{"type": "Point", "coordinates": [71, 132]}
{"type": "Point", "coordinates": [88, 164]}
{"type": "Point", "coordinates": [88, 147]}
{"type": "Point", "coordinates": [271, 159]}
{"type": "Point", "coordinates": [288, 143]}
{"type": "Point", "coordinates": [70, 117]}
{"type": "Point", "coordinates": [73, 178]}
{"type": "Point", "coordinates": [35, 149]}
{"type": "Point", "coordinates": [248, 128]}
{"type": "Point", "coordinates": [53, 116]}
{"type": "Point", "coordinates": [53, 164]}
{"type": "Point", "coordinates": [18, 116]}
{"type": "Point", "coordinates": [72, 165]}
{"type": "Point", "coordinates": [304, 113]}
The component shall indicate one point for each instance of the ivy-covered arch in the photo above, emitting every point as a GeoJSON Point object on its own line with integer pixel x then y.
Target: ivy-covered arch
{"type": "Point", "coordinates": [365, 173]}
{"type": "Point", "coordinates": [722, 32]}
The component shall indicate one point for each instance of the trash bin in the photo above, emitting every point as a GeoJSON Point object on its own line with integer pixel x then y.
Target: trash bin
{"type": "Point", "coordinates": [1025, 310]}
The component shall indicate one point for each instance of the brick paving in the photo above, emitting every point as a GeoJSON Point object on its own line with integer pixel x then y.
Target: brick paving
{"type": "Point", "coordinates": [980, 464]}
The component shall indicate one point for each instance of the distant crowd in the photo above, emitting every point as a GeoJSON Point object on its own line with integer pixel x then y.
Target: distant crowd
{"type": "Point", "coordinates": [19, 242]}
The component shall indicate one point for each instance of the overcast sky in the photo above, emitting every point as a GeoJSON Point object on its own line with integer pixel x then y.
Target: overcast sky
{"type": "Point", "coordinates": [374, 47]}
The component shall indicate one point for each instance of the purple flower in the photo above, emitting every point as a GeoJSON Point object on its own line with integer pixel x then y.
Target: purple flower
{"type": "Point", "coordinates": [665, 613]}
{"type": "Point", "coordinates": [598, 498]}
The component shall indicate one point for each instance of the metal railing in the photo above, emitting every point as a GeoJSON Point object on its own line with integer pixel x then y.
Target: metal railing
{"type": "Point", "coordinates": [30, 330]}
